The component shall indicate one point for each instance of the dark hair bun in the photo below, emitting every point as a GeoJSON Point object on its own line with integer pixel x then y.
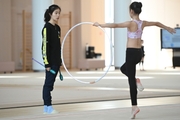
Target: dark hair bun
{"type": "Point", "coordinates": [139, 5]}
{"type": "Point", "coordinates": [136, 7]}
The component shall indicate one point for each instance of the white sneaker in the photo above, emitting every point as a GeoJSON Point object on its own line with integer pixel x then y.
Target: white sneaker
{"type": "Point", "coordinates": [45, 109]}
{"type": "Point", "coordinates": [50, 110]}
{"type": "Point", "coordinates": [53, 112]}
{"type": "Point", "coordinates": [139, 85]}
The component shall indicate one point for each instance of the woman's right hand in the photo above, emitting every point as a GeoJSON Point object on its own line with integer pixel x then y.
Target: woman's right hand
{"type": "Point", "coordinates": [48, 68]}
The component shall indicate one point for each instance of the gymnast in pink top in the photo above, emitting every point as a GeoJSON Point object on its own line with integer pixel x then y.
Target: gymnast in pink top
{"type": "Point", "coordinates": [138, 32]}
{"type": "Point", "coordinates": [133, 52]}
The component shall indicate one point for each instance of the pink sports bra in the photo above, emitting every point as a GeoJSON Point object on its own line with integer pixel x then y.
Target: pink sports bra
{"type": "Point", "coordinates": [136, 34]}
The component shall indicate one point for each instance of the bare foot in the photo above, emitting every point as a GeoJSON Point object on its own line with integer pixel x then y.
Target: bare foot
{"type": "Point", "coordinates": [135, 110]}
{"type": "Point", "coordinates": [139, 85]}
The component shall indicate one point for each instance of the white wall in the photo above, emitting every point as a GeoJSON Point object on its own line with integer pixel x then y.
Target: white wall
{"type": "Point", "coordinates": [166, 12]}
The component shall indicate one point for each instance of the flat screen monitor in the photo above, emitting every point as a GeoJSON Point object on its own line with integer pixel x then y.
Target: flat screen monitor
{"type": "Point", "coordinates": [170, 41]}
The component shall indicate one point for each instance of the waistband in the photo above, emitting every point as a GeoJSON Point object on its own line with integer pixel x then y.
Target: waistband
{"type": "Point", "coordinates": [134, 49]}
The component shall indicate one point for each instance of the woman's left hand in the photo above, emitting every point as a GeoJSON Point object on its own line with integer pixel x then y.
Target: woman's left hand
{"type": "Point", "coordinates": [171, 30]}
{"type": "Point", "coordinates": [96, 24]}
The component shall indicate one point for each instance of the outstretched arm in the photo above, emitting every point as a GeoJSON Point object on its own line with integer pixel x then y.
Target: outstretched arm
{"type": "Point", "coordinates": [158, 24]}
{"type": "Point", "coordinates": [113, 25]}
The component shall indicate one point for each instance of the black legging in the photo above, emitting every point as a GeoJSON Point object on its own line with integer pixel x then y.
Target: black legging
{"type": "Point", "coordinates": [133, 56]}
{"type": "Point", "coordinates": [49, 85]}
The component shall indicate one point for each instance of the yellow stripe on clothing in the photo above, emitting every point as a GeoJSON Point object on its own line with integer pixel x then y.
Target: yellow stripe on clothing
{"type": "Point", "coordinates": [44, 46]}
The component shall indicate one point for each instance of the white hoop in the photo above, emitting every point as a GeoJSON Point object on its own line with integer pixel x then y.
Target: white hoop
{"type": "Point", "coordinates": [63, 58]}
